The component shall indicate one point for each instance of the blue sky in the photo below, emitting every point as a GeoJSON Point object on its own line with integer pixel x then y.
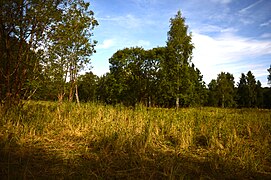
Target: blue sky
{"type": "Point", "coordinates": [229, 35]}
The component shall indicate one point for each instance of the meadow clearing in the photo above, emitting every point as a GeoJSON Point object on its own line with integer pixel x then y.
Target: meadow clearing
{"type": "Point", "coordinates": [49, 140]}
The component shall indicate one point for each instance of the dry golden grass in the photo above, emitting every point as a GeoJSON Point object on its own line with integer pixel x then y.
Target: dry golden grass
{"type": "Point", "coordinates": [48, 140]}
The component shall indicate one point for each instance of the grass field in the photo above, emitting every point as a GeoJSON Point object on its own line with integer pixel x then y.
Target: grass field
{"type": "Point", "coordinates": [47, 140]}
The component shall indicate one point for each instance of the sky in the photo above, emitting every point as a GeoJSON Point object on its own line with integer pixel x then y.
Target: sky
{"type": "Point", "coordinates": [229, 35]}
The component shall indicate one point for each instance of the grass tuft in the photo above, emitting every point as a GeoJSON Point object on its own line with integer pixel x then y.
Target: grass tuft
{"type": "Point", "coordinates": [50, 140]}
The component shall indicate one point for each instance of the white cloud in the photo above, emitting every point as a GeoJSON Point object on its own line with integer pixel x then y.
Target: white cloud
{"type": "Point", "coordinates": [108, 43]}
{"type": "Point", "coordinates": [268, 23]}
{"type": "Point", "coordinates": [228, 53]}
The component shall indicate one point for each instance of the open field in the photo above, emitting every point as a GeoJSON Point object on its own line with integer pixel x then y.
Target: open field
{"type": "Point", "coordinates": [48, 140]}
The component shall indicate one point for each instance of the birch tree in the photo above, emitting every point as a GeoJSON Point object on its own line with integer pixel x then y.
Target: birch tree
{"type": "Point", "coordinates": [179, 48]}
{"type": "Point", "coordinates": [71, 45]}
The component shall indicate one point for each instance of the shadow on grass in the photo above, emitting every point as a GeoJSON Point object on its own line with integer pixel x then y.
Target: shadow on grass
{"type": "Point", "coordinates": [108, 162]}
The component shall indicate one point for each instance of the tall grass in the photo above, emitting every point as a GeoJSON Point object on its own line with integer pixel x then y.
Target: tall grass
{"type": "Point", "coordinates": [51, 140]}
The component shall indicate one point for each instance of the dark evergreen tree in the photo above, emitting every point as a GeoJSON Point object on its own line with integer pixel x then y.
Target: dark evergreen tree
{"type": "Point", "coordinates": [225, 90]}
{"type": "Point", "coordinates": [259, 92]}
{"type": "Point", "coordinates": [212, 93]}
{"type": "Point", "coordinates": [267, 91]}
{"type": "Point", "coordinates": [252, 94]}
{"type": "Point", "coordinates": [242, 91]}
{"type": "Point", "coordinates": [197, 93]}
{"type": "Point", "coordinates": [267, 97]}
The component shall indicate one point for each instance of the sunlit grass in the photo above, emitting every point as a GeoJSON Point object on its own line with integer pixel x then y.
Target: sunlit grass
{"type": "Point", "coordinates": [47, 139]}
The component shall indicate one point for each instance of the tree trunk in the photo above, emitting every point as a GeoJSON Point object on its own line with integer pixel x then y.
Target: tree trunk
{"type": "Point", "coordinates": [76, 95]}
{"type": "Point", "coordinates": [177, 102]}
{"type": "Point", "coordinates": [71, 92]}
{"type": "Point", "coordinates": [149, 101]}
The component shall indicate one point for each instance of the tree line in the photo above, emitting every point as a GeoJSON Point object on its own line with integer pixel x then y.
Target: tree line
{"type": "Point", "coordinates": [220, 92]}
{"type": "Point", "coordinates": [166, 77]}
{"type": "Point", "coordinates": [45, 44]}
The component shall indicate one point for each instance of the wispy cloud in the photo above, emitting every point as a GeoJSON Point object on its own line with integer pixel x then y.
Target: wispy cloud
{"type": "Point", "coordinates": [229, 30]}
{"type": "Point", "coordinates": [246, 9]}
{"type": "Point", "coordinates": [145, 2]}
{"type": "Point", "coordinates": [222, 1]}
{"type": "Point", "coordinates": [267, 23]}
{"type": "Point", "coordinates": [127, 21]}
{"type": "Point", "coordinates": [228, 53]}
{"type": "Point", "coordinates": [208, 28]}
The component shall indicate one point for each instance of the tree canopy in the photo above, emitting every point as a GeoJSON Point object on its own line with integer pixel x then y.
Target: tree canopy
{"type": "Point", "coordinates": [22, 28]}
{"type": "Point", "coordinates": [162, 76]}
{"type": "Point", "coordinates": [51, 37]}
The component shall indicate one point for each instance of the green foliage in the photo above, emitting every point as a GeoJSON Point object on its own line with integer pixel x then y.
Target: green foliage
{"type": "Point", "coordinates": [108, 89]}
{"type": "Point", "coordinates": [252, 94]}
{"type": "Point", "coordinates": [44, 45]}
{"type": "Point", "coordinates": [154, 76]}
{"type": "Point", "coordinates": [249, 91]}
{"type": "Point", "coordinates": [221, 91]}
{"type": "Point", "coordinates": [212, 93]}
{"type": "Point", "coordinates": [43, 40]}
{"type": "Point", "coordinates": [127, 68]}
{"type": "Point", "coordinates": [140, 76]}
{"type": "Point", "coordinates": [18, 80]}
{"type": "Point", "coordinates": [87, 87]}
{"type": "Point", "coordinates": [70, 44]}
{"type": "Point", "coordinates": [260, 95]}
{"type": "Point", "coordinates": [22, 28]}
{"type": "Point", "coordinates": [160, 75]}
{"type": "Point", "coordinates": [242, 91]}
{"type": "Point", "coordinates": [267, 97]}
{"type": "Point", "coordinates": [179, 54]}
